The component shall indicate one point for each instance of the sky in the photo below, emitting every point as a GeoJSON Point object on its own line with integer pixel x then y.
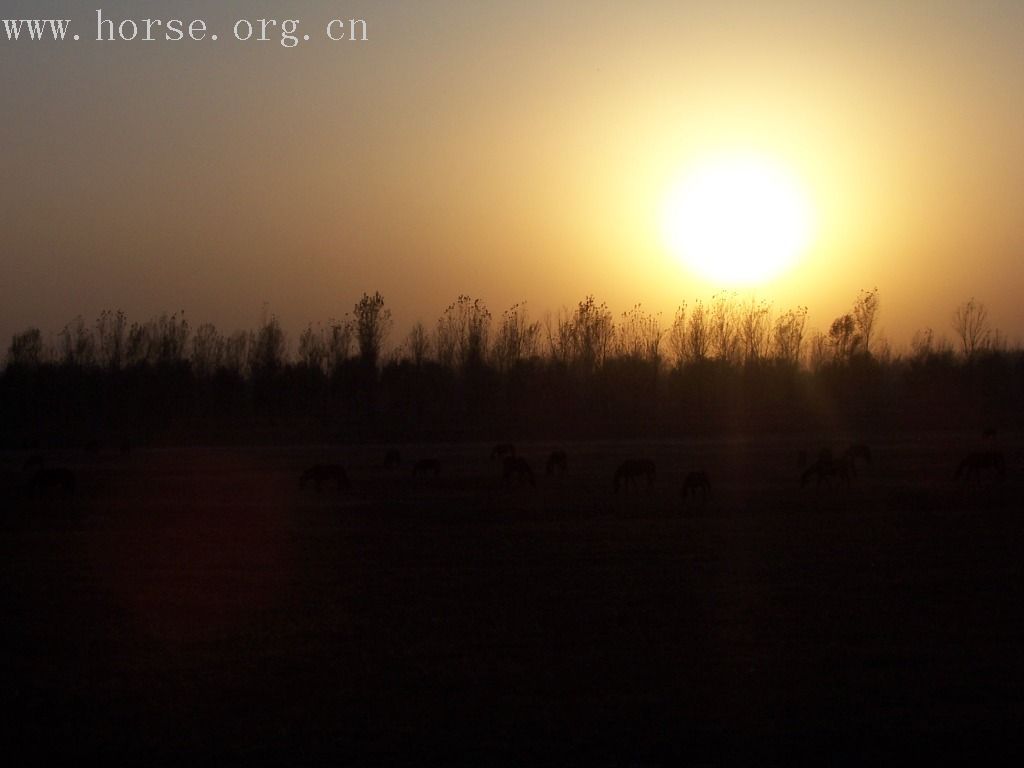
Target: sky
{"type": "Point", "coordinates": [509, 151]}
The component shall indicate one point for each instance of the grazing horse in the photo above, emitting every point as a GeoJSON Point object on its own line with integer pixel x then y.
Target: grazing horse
{"type": "Point", "coordinates": [427, 467]}
{"type": "Point", "coordinates": [325, 473]}
{"type": "Point", "coordinates": [696, 482]}
{"type": "Point", "coordinates": [517, 467]}
{"type": "Point", "coordinates": [825, 468]}
{"type": "Point", "coordinates": [33, 462]}
{"type": "Point", "coordinates": [558, 463]}
{"type": "Point", "coordinates": [392, 459]}
{"type": "Point", "coordinates": [976, 464]}
{"type": "Point", "coordinates": [501, 450]}
{"type": "Point", "coordinates": [857, 452]}
{"type": "Point", "coordinates": [630, 470]}
{"type": "Point", "coordinates": [53, 479]}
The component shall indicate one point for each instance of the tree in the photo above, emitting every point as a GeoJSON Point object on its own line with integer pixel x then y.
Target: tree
{"type": "Point", "coordinates": [639, 335]}
{"type": "Point", "coordinates": [754, 326]}
{"type": "Point", "coordinates": [372, 326]}
{"type": "Point", "coordinates": [111, 333]}
{"type": "Point", "coordinates": [843, 338]}
{"type": "Point", "coordinates": [463, 333]}
{"type": "Point", "coordinates": [78, 344]}
{"type": "Point", "coordinates": [339, 344]}
{"type": "Point", "coordinates": [26, 349]}
{"type": "Point", "coordinates": [788, 335]}
{"type": "Point", "coordinates": [517, 338]}
{"type": "Point", "coordinates": [418, 343]}
{"type": "Point", "coordinates": [865, 313]}
{"type": "Point", "coordinates": [268, 349]}
{"type": "Point", "coordinates": [207, 350]}
{"type": "Point", "coordinates": [972, 327]}
{"type": "Point", "coordinates": [698, 340]}
{"type": "Point", "coordinates": [677, 335]}
{"type": "Point", "coordinates": [722, 328]}
{"type": "Point", "coordinates": [312, 348]}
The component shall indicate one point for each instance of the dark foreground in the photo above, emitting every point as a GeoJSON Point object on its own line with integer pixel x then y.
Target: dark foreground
{"type": "Point", "coordinates": [198, 604]}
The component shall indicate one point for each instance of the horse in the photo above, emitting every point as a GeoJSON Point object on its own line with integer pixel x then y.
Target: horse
{"type": "Point", "coordinates": [558, 463]}
{"type": "Point", "coordinates": [857, 452]}
{"type": "Point", "coordinates": [392, 459]}
{"type": "Point", "coordinates": [427, 467]}
{"type": "Point", "coordinates": [46, 479]}
{"type": "Point", "coordinates": [501, 450]}
{"type": "Point", "coordinates": [825, 468]}
{"type": "Point", "coordinates": [976, 464]}
{"type": "Point", "coordinates": [696, 482]}
{"type": "Point", "coordinates": [325, 473]}
{"type": "Point", "coordinates": [630, 470]}
{"type": "Point", "coordinates": [518, 468]}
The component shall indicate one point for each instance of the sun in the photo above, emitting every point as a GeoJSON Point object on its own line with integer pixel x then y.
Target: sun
{"type": "Point", "coordinates": [738, 220]}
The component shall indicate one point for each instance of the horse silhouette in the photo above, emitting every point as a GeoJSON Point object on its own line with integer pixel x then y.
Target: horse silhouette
{"type": "Point", "coordinates": [517, 468]}
{"type": "Point", "coordinates": [696, 482]}
{"type": "Point", "coordinates": [853, 454]}
{"type": "Point", "coordinates": [974, 466]}
{"type": "Point", "coordinates": [392, 459]}
{"type": "Point", "coordinates": [34, 461]}
{"type": "Point", "coordinates": [322, 474]}
{"type": "Point", "coordinates": [501, 450]}
{"type": "Point", "coordinates": [630, 470]}
{"type": "Point", "coordinates": [558, 463]}
{"type": "Point", "coordinates": [826, 468]}
{"type": "Point", "coordinates": [427, 467]}
{"type": "Point", "coordinates": [46, 479]}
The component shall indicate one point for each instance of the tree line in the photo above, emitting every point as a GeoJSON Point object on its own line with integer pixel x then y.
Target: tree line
{"type": "Point", "coordinates": [726, 364]}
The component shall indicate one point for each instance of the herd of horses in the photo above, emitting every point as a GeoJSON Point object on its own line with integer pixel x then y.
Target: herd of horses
{"type": "Point", "coordinates": [826, 469]}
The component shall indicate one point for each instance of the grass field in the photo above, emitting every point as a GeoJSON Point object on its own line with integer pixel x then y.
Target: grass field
{"type": "Point", "coordinates": [187, 603]}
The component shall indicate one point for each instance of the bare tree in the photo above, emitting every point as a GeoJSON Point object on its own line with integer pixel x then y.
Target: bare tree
{"type": "Point", "coordinates": [418, 342]}
{"type": "Point", "coordinates": [723, 328]}
{"type": "Point", "coordinates": [463, 333]}
{"type": "Point", "coordinates": [339, 343]}
{"type": "Point", "coordinates": [268, 349]}
{"type": "Point", "coordinates": [559, 330]}
{"type": "Point", "coordinates": [865, 313]}
{"type": "Point", "coordinates": [698, 340]}
{"type": "Point", "coordinates": [111, 335]}
{"type": "Point", "coordinates": [639, 335]}
{"type": "Point", "coordinates": [819, 351]}
{"type": "Point", "coordinates": [207, 350]}
{"type": "Point", "coordinates": [517, 338]}
{"type": "Point", "coordinates": [236, 353]}
{"type": "Point", "coordinates": [313, 348]}
{"type": "Point", "coordinates": [754, 326]}
{"type": "Point", "coordinates": [843, 338]}
{"type": "Point", "coordinates": [677, 336]}
{"type": "Point", "coordinates": [372, 326]}
{"type": "Point", "coordinates": [972, 327]}
{"type": "Point", "coordinates": [26, 349]}
{"type": "Point", "coordinates": [788, 335]}
{"type": "Point", "coordinates": [166, 339]}
{"type": "Point", "coordinates": [591, 332]}
{"type": "Point", "coordinates": [77, 344]}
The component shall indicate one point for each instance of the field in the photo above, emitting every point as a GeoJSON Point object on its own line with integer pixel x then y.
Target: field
{"type": "Point", "coordinates": [186, 603]}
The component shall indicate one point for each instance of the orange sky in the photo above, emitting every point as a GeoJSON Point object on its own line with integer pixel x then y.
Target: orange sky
{"type": "Point", "coordinates": [515, 151]}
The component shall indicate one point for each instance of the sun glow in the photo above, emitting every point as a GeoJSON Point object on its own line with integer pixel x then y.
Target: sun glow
{"type": "Point", "coordinates": [737, 220]}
